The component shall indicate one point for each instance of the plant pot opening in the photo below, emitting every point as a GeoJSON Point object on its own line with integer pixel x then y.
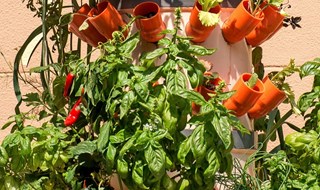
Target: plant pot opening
{"type": "Point", "coordinates": [257, 87]}
{"type": "Point", "coordinates": [152, 10]}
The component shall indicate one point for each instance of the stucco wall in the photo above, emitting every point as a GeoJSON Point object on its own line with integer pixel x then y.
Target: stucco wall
{"type": "Point", "coordinates": [17, 22]}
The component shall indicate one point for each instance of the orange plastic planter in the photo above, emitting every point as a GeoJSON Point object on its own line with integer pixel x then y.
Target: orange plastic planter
{"type": "Point", "coordinates": [78, 20]}
{"type": "Point", "coordinates": [194, 28]}
{"type": "Point", "coordinates": [244, 97]}
{"type": "Point", "coordinates": [204, 91]}
{"type": "Point", "coordinates": [108, 20]}
{"type": "Point", "coordinates": [240, 23]}
{"type": "Point", "coordinates": [270, 99]}
{"type": "Point", "coordinates": [272, 20]}
{"type": "Point", "coordinates": [151, 26]}
{"type": "Point", "coordinates": [89, 35]}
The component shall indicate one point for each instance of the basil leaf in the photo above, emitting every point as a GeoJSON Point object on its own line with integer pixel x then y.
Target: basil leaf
{"type": "Point", "coordinates": [198, 143]}
{"type": "Point", "coordinates": [223, 129]}
{"type": "Point", "coordinates": [126, 102]}
{"type": "Point", "coordinates": [122, 168]}
{"type": "Point", "coordinates": [110, 156]}
{"type": "Point", "coordinates": [142, 90]}
{"type": "Point", "coordinates": [310, 68]}
{"type": "Point", "coordinates": [184, 149]}
{"type": "Point", "coordinates": [176, 80]}
{"type": "Point", "coordinates": [156, 159]}
{"type": "Point", "coordinates": [137, 174]}
{"type": "Point", "coordinates": [192, 96]}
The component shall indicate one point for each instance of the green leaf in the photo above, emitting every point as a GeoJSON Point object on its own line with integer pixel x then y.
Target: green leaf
{"type": "Point", "coordinates": [156, 159]}
{"type": "Point", "coordinates": [214, 165]}
{"type": "Point", "coordinates": [223, 128]}
{"type": "Point", "coordinates": [137, 174]}
{"type": "Point", "coordinates": [11, 183]}
{"type": "Point", "coordinates": [119, 137]}
{"type": "Point", "coordinates": [25, 146]}
{"type": "Point", "coordinates": [164, 42]}
{"type": "Point", "coordinates": [168, 183]}
{"type": "Point", "coordinates": [126, 102]}
{"type": "Point", "coordinates": [184, 149]}
{"type": "Point", "coordinates": [69, 174]}
{"type": "Point", "coordinates": [256, 62]}
{"type": "Point", "coordinates": [30, 130]}
{"type": "Point", "coordinates": [310, 68]}
{"type": "Point", "coordinates": [130, 43]}
{"type": "Point", "coordinates": [276, 3]}
{"type": "Point", "coordinates": [58, 88]}
{"type": "Point", "coordinates": [142, 141]}
{"type": "Point", "coordinates": [12, 140]}
{"type": "Point", "coordinates": [159, 134]}
{"type": "Point", "coordinates": [17, 61]}
{"type": "Point", "coordinates": [197, 177]}
{"type": "Point", "coordinates": [170, 116]}
{"type": "Point", "coordinates": [39, 69]}
{"type": "Point", "coordinates": [3, 157]}
{"type": "Point", "coordinates": [32, 99]}
{"type": "Point", "coordinates": [192, 96]}
{"type": "Point", "coordinates": [208, 19]}
{"type": "Point", "coordinates": [200, 50]}
{"type": "Point", "coordinates": [7, 124]}
{"type": "Point", "coordinates": [18, 162]}
{"type": "Point", "coordinates": [103, 137]}
{"type": "Point", "coordinates": [175, 81]}
{"type": "Point", "coordinates": [252, 80]}
{"type": "Point", "coordinates": [110, 156]}
{"type": "Point", "coordinates": [129, 143]}
{"type": "Point", "coordinates": [142, 90]}
{"type": "Point", "coordinates": [122, 168]}
{"type": "Point", "coordinates": [184, 184]}
{"type": "Point", "coordinates": [65, 19]}
{"type": "Point", "coordinates": [156, 53]}
{"type": "Point", "coordinates": [198, 143]}
{"type": "Point", "coordinates": [84, 147]}
{"type": "Point", "coordinates": [152, 75]}
{"type": "Point", "coordinates": [307, 100]}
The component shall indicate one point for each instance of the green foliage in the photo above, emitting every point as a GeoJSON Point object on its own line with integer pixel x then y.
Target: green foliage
{"type": "Point", "coordinates": [205, 16]}
{"type": "Point", "coordinates": [127, 125]}
{"type": "Point", "coordinates": [252, 80]}
{"type": "Point", "coordinates": [297, 165]}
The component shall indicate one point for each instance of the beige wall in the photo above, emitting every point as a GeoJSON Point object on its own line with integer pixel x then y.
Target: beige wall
{"type": "Point", "coordinates": [17, 22]}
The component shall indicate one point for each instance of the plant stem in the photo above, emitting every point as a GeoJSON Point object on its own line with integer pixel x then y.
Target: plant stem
{"type": "Point", "coordinates": [277, 125]}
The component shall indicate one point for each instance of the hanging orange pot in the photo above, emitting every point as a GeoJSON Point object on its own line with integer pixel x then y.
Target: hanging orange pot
{"type": "Point", "coordinates": [244, 97]}
{"type": "Point", "coordinates": [108, 20]}
{"type": "Point", "coordinates": [272, 20]}
{"type": "Point", "coordinates": [205, 90]}
{"type": "Point", "coordinates": [194, 27]}
{"type": "Point", "coordinates": [275, 31]}
{"type": "Point", "coordinates": [90, 34]}
{"type": "Point", "coordinates": [269, 100]}
{"type": "Point", "coordinates": [240, 23]}
{"type": "Point", "coordinates": [151, 24]}
{"type": "Point", "coordinates": [78, 20]}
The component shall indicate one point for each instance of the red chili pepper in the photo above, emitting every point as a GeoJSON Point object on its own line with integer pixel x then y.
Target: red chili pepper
{"type": "Point", "coordinates": [68, 83]}
{"type": "Point", "coordinates": [84, 184]}
{"type": "Point", "coordinates": [74, 113]}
